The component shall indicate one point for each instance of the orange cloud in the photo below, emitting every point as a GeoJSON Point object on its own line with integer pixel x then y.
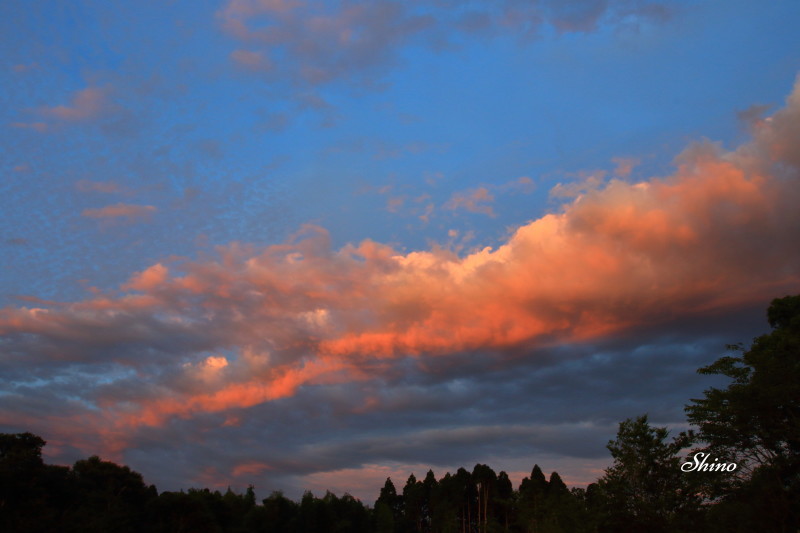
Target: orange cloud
{"type": "Point", "coordinates": [250, 469]}
{"type": "Point", "coordinates": [721, 231]}
{"type": "Point", "coordinates": [625, 166]}
{"type": "Point", "coordinates": [148, 279]}
{"type": "Point", "coordinates": [475, 201]}
{"type": "Point", "coordinates": [575, 189]}
{"type": "Point", "coordinates": [119, 210]}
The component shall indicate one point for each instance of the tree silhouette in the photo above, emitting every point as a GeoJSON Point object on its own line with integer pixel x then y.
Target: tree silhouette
{"type": "Point", "coordinates": [755, 422]}
{"type": "Point", "coordinates": [645, 489]}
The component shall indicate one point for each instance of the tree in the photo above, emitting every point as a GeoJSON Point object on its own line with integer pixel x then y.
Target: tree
{"type": "Point", "coordinates": [755, 421]}
{"type": "Point", "coordinates": [430, 489]}
{"type": "Point", "coordinates": [388, 508]}
{"type": "Point", "coordinates": [485, 481]}
{"type": "Point", "coordinates": [280, 514]}
{"type": "Point", "coordinates": [32, 495]}
{"type": "Point", "coordinates": [179, 511]}
{"type": "Point", "coordinates": [111, 497]}
{"type": "Point", "coordinates": [532, 500]}
{"type": "Point", "coordinates": [504, 499]}
{"type": "Point", "coordinates": [384, 521]}
{"type": "Point", "coordinates": [645, 490]}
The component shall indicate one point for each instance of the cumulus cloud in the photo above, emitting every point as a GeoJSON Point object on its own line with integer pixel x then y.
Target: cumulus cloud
{"type": "Point", "coordinates": [209, 339]}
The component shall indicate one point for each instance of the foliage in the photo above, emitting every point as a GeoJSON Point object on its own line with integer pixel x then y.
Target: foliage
{"type": "Point", "coordinates": [755, 422]}
{"type": "Point", "coordinates": [645, 490]}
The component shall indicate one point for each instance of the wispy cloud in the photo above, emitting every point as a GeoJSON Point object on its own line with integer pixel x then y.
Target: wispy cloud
{"type": "Point", "coordinates": [320, 43]}
{"type": "Point", "coordinates": [119, 210]}
{"type": "Point", "coordinates": [584, 184]}
{"type": "Point", "coordinates": [107, 187]}
{"type": "Point", "coordinates": [85, 105]}
{"type": "Point", "coordinates": [251, 60]}
{"type": "Point", "coordinates": [475, 201]}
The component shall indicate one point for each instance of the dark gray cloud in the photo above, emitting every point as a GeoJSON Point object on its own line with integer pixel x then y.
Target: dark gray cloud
{"type": "Point", "coordinates": [316, 43]}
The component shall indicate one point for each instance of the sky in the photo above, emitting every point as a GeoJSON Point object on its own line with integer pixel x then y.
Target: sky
{"type": "Point", "coordinates": [307, 244]}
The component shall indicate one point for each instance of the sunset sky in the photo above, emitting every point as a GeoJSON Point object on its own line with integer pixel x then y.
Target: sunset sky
{"type": "Point", "coordinates": [313, 244]}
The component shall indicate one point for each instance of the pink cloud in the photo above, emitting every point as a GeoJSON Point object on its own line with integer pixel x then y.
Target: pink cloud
{"type": "Point", "coordinates": [395, 203]}
{"type": "Point", "coordinates": [22, 67]}
{"type": "Point", "coordinates": [322, 44]}
{"type": "Point", "coordinates": [574, 189]}
{"type": "Point", "coordinates": [625, 166]}
{"type": "Point", "coordinates": [86, 104]}
{"type": "Point", "coordinates": [119, 210]}
{"type": "Point", "coordinates": [251, 60]}
{"type": "Point", "coordinates": [250, 469]}
{"type": "Point", "coordinates": [721, 231]}
{"type": "Point", "coordinates": [475, 201]}
{"type": "Point", "coordinates": [148, 279]}
{"type": "Point", "coordinates": [523, 184]}
{"type": "Point", "coordinates": [98, 186]}
{"type": "Point", "coordinates": [41, 127]}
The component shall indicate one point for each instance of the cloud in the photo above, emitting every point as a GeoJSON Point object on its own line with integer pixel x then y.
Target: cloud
{"type": "Point", "coordinates": [579, 16]}
{"type": "Point", "coordinates": [41, 127]}
{"type": "Point", "coordinates": [523, 184]}
{"type": "Point", "coordinates": [320, 42]}
{"type": "Point", "coordinates": [86, 104]}
{"type": "Point", "coordinates": [119, 210]}
{"type": "Point", "coordinates": [625, 166]}
{"type": "Point", "coordinates": [274, 122]}
{"type": "Point", "coordinates": [474, 201]}
{"type": "Point", "coordinates": [212, 342]}
{"type": "Point", "coordinates": [575, 189]}
{"type": "Point", "coordinates": [108, 187]}
{"type": "Point", "coordinates": [752, 117]}
{"type": "Point", "coordinates": [251, 60]}
{"type": "Point", "coordinates": [23, 68]}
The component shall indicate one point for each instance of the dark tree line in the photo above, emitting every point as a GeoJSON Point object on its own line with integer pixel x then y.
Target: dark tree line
{"type": "Point", "coordinates": [754, 422]}
{"type": "Point", "coordinates": [480, 501]}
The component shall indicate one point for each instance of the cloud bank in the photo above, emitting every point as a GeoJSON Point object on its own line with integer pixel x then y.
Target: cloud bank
{"type": "Point", "coordinates": [316, 43]}
{"type": "Point", "coordinates": [232, 335]}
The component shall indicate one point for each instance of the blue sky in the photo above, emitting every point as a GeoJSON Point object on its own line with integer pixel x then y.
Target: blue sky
{"type": "Point", "coordinates": [271, 211]}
